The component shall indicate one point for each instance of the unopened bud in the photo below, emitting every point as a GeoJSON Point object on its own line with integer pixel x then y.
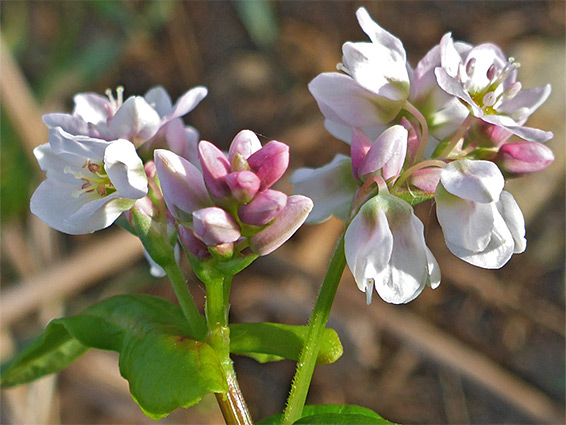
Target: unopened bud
{"type": "Point", "coordinates": [244, 185]}
{"type": "Point", "coordinates": [264, 208]}
{"type": "Point", "coordinates": [517, 159]}
{"type": "Point", "coordinates": [215, 226]}
{"type": "Point", "coordinates": [191, 243]}
{"type": "Point", "coordinates": [215, 168]}
{"type": "Point", "coordinates": [287, 222]}
{"type": "Point", "coordinates": [245, 143]}
{"type": "Point", "coordinates": [270, 162]}
{"type": "Point", "coordinates": [181, 183]}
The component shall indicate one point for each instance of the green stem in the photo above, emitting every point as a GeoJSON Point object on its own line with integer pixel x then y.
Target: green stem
{"type": "Point", "coordinates": [317, 324]}
{"type": "Point", "coordinates": [195, 320]}
{"type": "Point", "coordinates": [232, 404]}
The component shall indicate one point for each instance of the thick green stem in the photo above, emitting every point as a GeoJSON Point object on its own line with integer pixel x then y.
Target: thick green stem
{"type": "Point", "coordinates": [232, 404]}
{"type": "Point", "coordinates": [317, 324]}
{"type": "Point", "coordinates": [195, 320]}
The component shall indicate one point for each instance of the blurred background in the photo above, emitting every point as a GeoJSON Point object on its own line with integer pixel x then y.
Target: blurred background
{"type": "Point", "coordinates": [485, 347]}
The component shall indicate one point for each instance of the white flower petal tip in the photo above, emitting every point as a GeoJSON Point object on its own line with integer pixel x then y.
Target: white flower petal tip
{"type": "Point", "coordinates": [479, 181]}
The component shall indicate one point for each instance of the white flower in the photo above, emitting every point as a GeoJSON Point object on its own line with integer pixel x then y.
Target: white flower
{"type": "Point", "coordinates": [375, 85]}
{"type": "Point", "coordinates": [385, 248]}
{"type": "Point", "coordinates": [90, 182]}
{"type": "Point", "coordinates": [137, 119]}
{"type": "Point", "coordinates": [482, 224]}
{"type": "Point", "coordinates": [485, 80]}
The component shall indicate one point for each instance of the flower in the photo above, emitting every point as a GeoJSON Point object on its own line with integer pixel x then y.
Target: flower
{"type": "Point", "coordinates": [482, 223]}
{"type": "Point", "coordinates": [137, 119]}
{"type": "Point", "coordinates": [375, 85]}
{"type": "Point", "coordinates": [484, 79]}
{"type": "Point", "coordinates": [385, 248]}
{"type": "Point", "coordinates": [90, 181]}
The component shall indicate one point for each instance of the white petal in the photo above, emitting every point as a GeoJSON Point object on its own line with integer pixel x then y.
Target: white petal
{"type": "Point", "coordinates": [530, 99]}
{"type": "Point", "coordinates": [69, 123]}
{"type": "Point", "coordinates": [511, 213]}
{"type": "Point", "coordinates": [331, 188]}
{"type": "Point", "coordinates": [496, 254]}
{"type": "Point", "coordinates": [125, 169]}
{"type": "Point", "coordinates": [378, 35]}
{"type": "Point", "coordinates": [187, 102]}
{"type": "Point", "coordinates": [433, 270]}
{"type": "Point", "coordinates": [54, 165]}
{"type": "Point", "coordinates": [92, 107]}
{"type": "Point", "coordinates": [158, 98]}
{"type": "Point", "coordinates": [81, 146]}
{"type": "Point", "coordinates": [97, 214]}
{"type": "Point", "coordinates": [368, 244]}
{"type": "Point", "coordinates": [342, 99]}
{"type": "Point", "coordinates": [479, 181]}
{"type": "Point", "coordinates": [378, 70]}
{"type": "Point", "coordinates": [450, 58]}
{"type": "Point", "coordinates": [454, 87]}
{"type": "Point", "coordinates": [466, 224]}
{"type": "Point", "coordinates": [527, 133]}
{"type": "Point", "coordinates": [135, 120]}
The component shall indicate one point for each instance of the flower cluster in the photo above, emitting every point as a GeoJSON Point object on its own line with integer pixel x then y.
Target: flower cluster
{"type": "Point", "coordinates": [137, 159]}
{"type": "Point", "coordinates": [230, 204]}
{"type": "Point", "coordinates": [440, 130]}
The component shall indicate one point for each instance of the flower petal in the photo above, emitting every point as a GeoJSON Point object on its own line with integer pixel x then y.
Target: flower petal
{"type": "Point", "coordinates": [158, 98]}
{"type": "Point", "coordinates": [245, 143]}
{"type": "Point", "coordinates": [466, 224]}
{"type": "Point", "coordinates": [92, 108]}
{"type": "Point", "coordinates": [125, 169]}
{"type": "Point", "coordinates": [474, 180]}
{"type": "Point", "coordinates": [378, 35]}
{"type": "Point", "coordinates": [513, 217]}
{"type": "Point", "coordinates": [331, 188]}
{"type": "Point", "coordinates": [391, 144]}
{"type": "Point", "coordinates": [187, 102]}
{"type": "Point", "coordinates": [135, 120]}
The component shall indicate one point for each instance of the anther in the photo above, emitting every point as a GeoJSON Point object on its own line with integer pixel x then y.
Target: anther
{"type": "Point", "coordinates": [489, 99]}
{"type": "Point", "coordinates": [491, 72]}
{"type": "Point", "coordinates": [470, 66]}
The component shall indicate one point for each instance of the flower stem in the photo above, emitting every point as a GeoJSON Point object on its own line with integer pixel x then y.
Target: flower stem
{"type": "Point", "coordinates": [456, 137]}
{"type": "Point", "coordinates": [423, 140]}
{"type": "Point", "coordinates": [419, 166]}
{"type": "Point", "coordinates": [232, 404]}
{"type": "Point", "coordinates": [195, 320]}
{"type": "Point", "coordinates": [317, 324]}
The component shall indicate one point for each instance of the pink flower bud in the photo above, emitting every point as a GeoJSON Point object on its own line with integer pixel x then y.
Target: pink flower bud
{"type": "Point", "coordinates": [426, 178]}
{"type": "Point", "coordinates": [181, 183]}
{"type": "Point", "coordinates": [191, 243]}
{"type": "Point", "coordinates": [150, 169]}
{"type": "Point", "coordinates": [215, 226]}
{"type": "Point", "coordinates": [287, 222]}
{"type": "Point", "coordinates": [270, 162]}
{"type": "Point", "coordinates": [523, 157]}
{"type": "Point", "coordinates": [264, 208]}
{"type": "Point", "coordinates": [215, 168]}
{"type": "Point", "coordinates": [244, 185]}
{"type": "Point", "coordinates": [245, 143]}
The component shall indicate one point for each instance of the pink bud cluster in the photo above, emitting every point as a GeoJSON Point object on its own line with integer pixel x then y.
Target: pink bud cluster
{"type": "Point", "coordinates": [229, 205]}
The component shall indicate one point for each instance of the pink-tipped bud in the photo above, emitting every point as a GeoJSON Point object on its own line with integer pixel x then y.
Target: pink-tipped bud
{"type": "Point", "coordinates": [245, 143]}
{"type": "Point", "coordinates": [519, 158]}
{"type": "Point", "coordinates": [287, 222]}
{"type": "Point", "coordinates": [150, 170]}
{"type": "Point", "coordinates": [181, 183]}
{"type": "Point", "coordinates": [264, 208]}
{"type": "Point", "coordinates": [191, 243]}
{"type": "Point", "coordinates": [244, 185]}
{"type": "Point", "coordinates": [215, 226]}
{"type": "Point", "coordinates": [426, 179]}
{"type": "Point", "coordinates": [270, 162]}
{"type": "Point", "coordinates": [215, 168]}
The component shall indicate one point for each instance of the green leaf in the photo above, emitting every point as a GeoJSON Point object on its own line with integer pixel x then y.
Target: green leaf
{"type": "Point", "coordinates": [52, 352]}
{"type": "Point", "coordinates": [165, 367]}
{"type": "Point", "coordinates": [333, 414]}
{"type": "Point", "coordinates": [273, 341]}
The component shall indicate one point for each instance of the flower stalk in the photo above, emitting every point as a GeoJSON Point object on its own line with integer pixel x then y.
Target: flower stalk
{"type": "Point", "coordinates": [317, 324]}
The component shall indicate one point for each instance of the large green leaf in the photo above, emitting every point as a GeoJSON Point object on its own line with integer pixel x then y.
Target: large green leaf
{"type": "Point", "coordinates": [273, 341]}
{"type": "Point", "coordinates": [165, 367]}
{"type": "Point", "coordinates": [332, 414]}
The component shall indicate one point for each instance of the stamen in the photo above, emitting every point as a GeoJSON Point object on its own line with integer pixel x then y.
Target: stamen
{"type": "Point", "coordinates": [340, 67]}
{"type": "Point", "coordinates": [94, 168]}
{"type": "Point", "coordinates": [120, 95]}
{"type": "Point", "coordinates": [512, 90]}
{"type": "Point", "coordinates": [489, 99]}
{"type": "Point", "coordinates": [369, 290]}
{"type": "Point", "coordinates": [491, 72]}
{"type": "Point", "coordinates": [470, 67]}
